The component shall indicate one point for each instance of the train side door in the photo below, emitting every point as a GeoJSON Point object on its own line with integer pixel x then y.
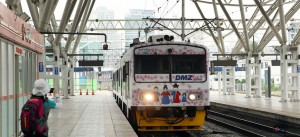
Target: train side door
{"type": "Point", "coordinates": [126, 79]}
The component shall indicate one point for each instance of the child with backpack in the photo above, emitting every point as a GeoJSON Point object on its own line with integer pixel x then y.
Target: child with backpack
{"type": "Point", "coordinates": [35, 111]}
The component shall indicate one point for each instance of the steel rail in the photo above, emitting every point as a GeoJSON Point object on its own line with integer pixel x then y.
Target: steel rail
{"type": "Point", "coordinates": [248, 123]}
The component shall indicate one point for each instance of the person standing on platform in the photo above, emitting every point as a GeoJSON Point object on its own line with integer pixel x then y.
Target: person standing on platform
{"type": "Point", "coordinates": [34, 115]}
{"type": "Point", "coordinates": [56, 98]}
{"type": "Point", "coordinates": [35, 112]}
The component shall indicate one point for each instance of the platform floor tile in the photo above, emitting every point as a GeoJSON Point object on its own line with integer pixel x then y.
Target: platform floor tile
{"type": "Point", "coordinates": [89, 116]}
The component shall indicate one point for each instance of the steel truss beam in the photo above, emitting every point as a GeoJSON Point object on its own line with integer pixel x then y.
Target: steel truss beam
{"type": "Point", "coordinates": [270, 35]}
{"type": "Point", "coordinates": [140, 24]}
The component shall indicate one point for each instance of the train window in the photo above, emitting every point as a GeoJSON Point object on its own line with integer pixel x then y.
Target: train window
{"type": "Point", "coordinates": [151, 64]}
{"type": "Point", "coordinates": [127, 68]}
{"type": "Point", "coordinates": [124, 73]}
{"type": "Point", "coordinates": [183, 64]}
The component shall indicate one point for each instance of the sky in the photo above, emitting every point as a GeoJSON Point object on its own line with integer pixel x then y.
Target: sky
{"type": "Point", "coordinates": [163, 8]}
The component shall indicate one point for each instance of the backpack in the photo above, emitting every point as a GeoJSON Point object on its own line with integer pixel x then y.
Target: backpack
{"type": "Point", "coordinates": [32, 117]}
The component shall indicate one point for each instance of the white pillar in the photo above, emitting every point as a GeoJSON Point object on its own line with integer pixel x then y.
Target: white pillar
{"type": "Point", "coordinates": [233, 80]}
{"type": "Point", "coordinates": [294, 78]}
{"type": "Point", "coordinates": [65, 72]}
{"type": "Point", "coordinates": [71, 78]}
{"type": "Point", "coordinates": [248, 76]}
{"type": "Point", "coordinates": [219, 82]}
{"type": "Point", "coordinates": [284, 78]}
{"type": "Point", "coordinates": [56, 67]}
{"type": "Point", "coordinates": [224, 80]}
{"type": "Point", "coordinates": [258, 73]}
{"type": "Point", "coordinates": [298, 75]}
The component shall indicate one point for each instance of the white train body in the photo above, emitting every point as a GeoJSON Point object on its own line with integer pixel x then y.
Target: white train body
{"type": "Point", "coordinates": [163, 74]}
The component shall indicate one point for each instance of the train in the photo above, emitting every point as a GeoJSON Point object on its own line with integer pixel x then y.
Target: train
{"type": "Point", "coordinates": [163, 85]}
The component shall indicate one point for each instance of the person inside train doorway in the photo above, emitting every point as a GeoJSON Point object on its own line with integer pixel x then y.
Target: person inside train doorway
{"type": "Point", "coordinates": [165, 95]}
{"type": "Point", "coordinates": [176, 94]}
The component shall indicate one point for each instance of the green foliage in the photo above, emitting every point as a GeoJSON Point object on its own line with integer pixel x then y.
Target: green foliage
{"type": "Point", "coordinates": [253, 45]}
{"type": "Point", "coordinates": [237, 81]}
{"type": "Point", "coordinates": [252, 81]}
{"type": "Point", "coordinates": [243, 81]}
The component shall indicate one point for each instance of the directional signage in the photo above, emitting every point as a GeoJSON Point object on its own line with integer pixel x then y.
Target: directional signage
{"type": "Point", "coordinates": [51, 69]}
{"type": "Point", "coordinates": [240, 69]}
{"type": "Point", "coordinates": [83, 69]}
{"type": "Point", "coordinates": [219, 69]}
{"type": "Point", "coordinates": [56, 71]}
{"type": "Point", "coordinates": [41, 67]}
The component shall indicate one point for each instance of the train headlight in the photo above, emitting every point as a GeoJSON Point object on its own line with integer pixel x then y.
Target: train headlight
{"type": "Point", "coordinates": [192, 96]}
{"type": "Point", "coordinates": [146, 96]}
{"type": "Point", "coordinates": [195, 96]}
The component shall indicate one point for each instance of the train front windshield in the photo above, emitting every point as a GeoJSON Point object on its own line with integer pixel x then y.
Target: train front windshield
{"type": "Point", "coordinates": [166, 64]}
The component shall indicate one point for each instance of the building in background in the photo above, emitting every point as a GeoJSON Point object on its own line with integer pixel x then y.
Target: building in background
{"type": "Point", "coordinates": [137, 14]}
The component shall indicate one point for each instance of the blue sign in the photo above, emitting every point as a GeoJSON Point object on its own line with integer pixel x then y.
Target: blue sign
{"type": "Point", "coordinates": [56, 71]}
{"type": "Point", "coordinates": [51, 69]}
{"type": "Point", "coordinates": [218, 69]}
{"type": "Point", "coordinates": [83, 69]}
{"type": "Point", "coordinates": [298, 69]}
{"type": "Point", "coordinates": [41, 67]}
{"type": "Point", "coordinates": [240, 69]}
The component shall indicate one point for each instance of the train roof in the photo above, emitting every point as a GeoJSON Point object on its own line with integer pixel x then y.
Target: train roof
{"type": "Point", "coordinates": [129, 52]}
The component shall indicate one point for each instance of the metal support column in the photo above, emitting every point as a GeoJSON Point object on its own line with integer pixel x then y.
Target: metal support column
{"type": "Point", "coordinates": [294, 86]}
{"type": "Point", "coordinates": [232, 72]}
{"type": "Point", "coordinates": [284, 79]}
{"type": "Point", "coordinates": [56, 67]}
{"type": "Point", "coordinates": [224, 80]}
{"type": "Point", "coordinates": [298, 74]}
{"type": "Point", "coordinates": [65, 73]}
{"type": "Point", "coordinates": [258, 76]}
{"type": "Point", "coordinates": [244, 25]}
{"type": "Point", "coordinates": [182, 21]}
{"type": "Point", "coordinates": [284, 65]}
{"type": "Point", "coordinates": [71, 78]}
{"type": "Point", "coordinates": [219, 82]}
{"type": "Point", "coordinates": [209, 28]}
{"type": "Point", "coordinates": [220, 36]}
{"type": "Point", "coordinates": [248, 75]}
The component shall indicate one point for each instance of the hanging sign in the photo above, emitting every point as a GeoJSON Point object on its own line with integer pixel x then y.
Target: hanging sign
{"type": "Point", "coordinates": [19, 51]}
{"type": "Point", "coordinates": [56, 71]}
{"type": "Point", "coordinates": [41, 67]}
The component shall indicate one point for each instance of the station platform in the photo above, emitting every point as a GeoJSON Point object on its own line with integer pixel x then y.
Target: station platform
{"type": "Point", "coordinates": [268, 107]}
{"type": "Point", "coordinates": [89, 116]}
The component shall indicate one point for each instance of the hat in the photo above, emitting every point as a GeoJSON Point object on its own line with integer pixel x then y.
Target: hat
{"type": "Point", "coordinates": [165, 87]}
{"type": "Point", "coordinates": [175, 85]}
{"type": "Point", "coordinates": [41, 87]}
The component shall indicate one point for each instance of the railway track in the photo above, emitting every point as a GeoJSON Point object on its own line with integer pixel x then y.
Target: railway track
{"type": "Point", "coordinates": [164, 134]}
{"type": "Point", "coordinates": [247, 127]}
